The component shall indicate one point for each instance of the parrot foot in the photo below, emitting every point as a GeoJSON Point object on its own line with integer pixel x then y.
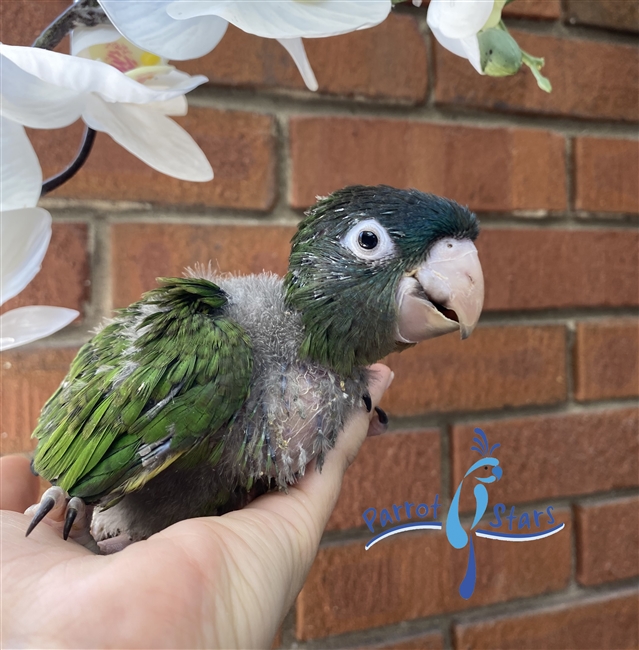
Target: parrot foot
{"type": "Point", "coordinates": [114, 544]}
{"type": "Point", "coordinates": [71, 517]}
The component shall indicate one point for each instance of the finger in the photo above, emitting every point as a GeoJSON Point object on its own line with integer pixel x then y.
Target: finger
{"type": "Point", "coordinates": [18, 486]}
{"type": "Point", "coordinates": [350, 440]}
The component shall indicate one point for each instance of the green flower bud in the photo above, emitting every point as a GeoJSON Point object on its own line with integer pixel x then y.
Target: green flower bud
{"type": "Point", "coordinates": [500, 55]}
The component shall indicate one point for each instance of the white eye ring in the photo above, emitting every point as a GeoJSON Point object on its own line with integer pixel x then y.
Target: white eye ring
{"type": "Point", "coordinates": [358, 241]}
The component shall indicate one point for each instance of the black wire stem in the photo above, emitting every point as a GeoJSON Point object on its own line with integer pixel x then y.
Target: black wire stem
{"type": "Point", "coordinates": [89, 14]}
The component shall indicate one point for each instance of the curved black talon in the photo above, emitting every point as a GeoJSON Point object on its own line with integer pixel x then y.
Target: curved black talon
{"type": "Point", "coordinates": [69, 518]}
{"type": "Point", "coordinates": [367, 400]}
{"type": "Point", "coordinates": [381, 414]}
{"type": "Point", "coordinates": [45, 507]}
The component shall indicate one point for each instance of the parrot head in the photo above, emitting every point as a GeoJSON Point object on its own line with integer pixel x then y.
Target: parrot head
{"type": "Point", "coordinates": [486, 470]}
{"type": "Point", "coordinates": [376, 269]}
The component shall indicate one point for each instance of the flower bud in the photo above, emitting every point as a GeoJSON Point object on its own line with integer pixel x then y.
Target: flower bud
{"type": "Point", "coordinates": [499, 52]}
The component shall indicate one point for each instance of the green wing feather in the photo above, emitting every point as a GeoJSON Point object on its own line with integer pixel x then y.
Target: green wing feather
{"type": "Point", "coordinates": [152, 386]}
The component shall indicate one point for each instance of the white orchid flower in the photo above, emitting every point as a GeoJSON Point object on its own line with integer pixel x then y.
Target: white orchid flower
{"type": "Point", "coordinates": [473, 29]}
{"type": "Point", "coordinates": [48, 90]}
{"type": "Point", "coordinates": [186, 29]}
{"type": "Point", "coordinates": [25, 232]}
{"type": "Point", "coordinates": [456, 24]}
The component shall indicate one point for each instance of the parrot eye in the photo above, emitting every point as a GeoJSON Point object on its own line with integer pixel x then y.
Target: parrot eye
{"type": "Point", "coordinates": [369, 240]}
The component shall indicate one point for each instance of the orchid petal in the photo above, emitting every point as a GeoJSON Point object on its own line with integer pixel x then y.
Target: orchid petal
{"type": "Point", "coordinates": [147, 25]}
{"type": "Point", "coordinates": [26, 324]}
{"type": "Point", "coordinates": [175, 106]}
{"type": "Point", "coordinates": [467, 48]}
{"type": "Point", "coordinates": [295, 47]}
{"type": "Point", "coordinates": [20, 173]}
{"type": "Point", "coordinates": [288, 18]}
{"type": "Point", "coordinates": [82, 38]}
{"type": "Point", "coordinates": [30, 101]}
{"type": "Point", "coordinates": [458, 18]}
{"type": "Point", "coordinates": [82, 76]}
{"type": "Point", "coordinates": [152, 137]}
{"type": "Point", "coordinates": [24, 239]}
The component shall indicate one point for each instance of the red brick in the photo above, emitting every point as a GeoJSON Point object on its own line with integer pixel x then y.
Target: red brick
{"type": "Point", "coordinates": [387, 61]}
{"type": "Point", "coordinates": [414, 575]}
{"type": "Point", "coordinates": [590, 79]}
{"type": "Point", "coordinates": [542, 269]}
{"type": "Point", "coordinates": [429, 641]}
{"type": "Point", "coordinates": [606, 175]}
{"type": "Point", "coordinates": [488, 169]}
{"type": "Point", "coordinates": [392, 468]}
{"type": "Point", "coordinates": [553, 456]}
{"type": "Point", "coordinates": [496, 367]}
{"type": "Point", "coordinates": [21, 21]}
{"type": "Point", "coordinates": [27, 379]}
{"type": "Point", "coordinates": [64, 279]}
{"type": "Point", "coordinates": [240, 146]}
{"type": "Point", "coordinates": [141, 252]}
{"type": "Point", "coordinates": [579, 269]}
{"type": "Point", "coordinates": [607, 360]}
{"type": "Point", "coordinates": [611, 14]}
{"type": "Point", "coordinates": [607, 540]}
{"type": "Point", "coordinates": [608, 621]}
{"type": "Point", "coordinates": [545, 9]}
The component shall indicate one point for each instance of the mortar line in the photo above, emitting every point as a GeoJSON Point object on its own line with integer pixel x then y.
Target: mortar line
{"type": "Point", "coordinates": [299, 103]}
{"type": "Point", "coordinates": [285, 215]}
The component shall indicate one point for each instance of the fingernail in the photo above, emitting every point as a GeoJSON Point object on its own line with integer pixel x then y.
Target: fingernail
{"type": "Point", "coordinates": [390, 380]}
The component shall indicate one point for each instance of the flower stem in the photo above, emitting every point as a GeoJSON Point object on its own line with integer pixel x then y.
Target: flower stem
{"type": "Point", "coordinates": [87, 13]}
{"type": "Point", "coordinates": [59, 179]}
{"type": "Point", "coordinates": [536, 64]}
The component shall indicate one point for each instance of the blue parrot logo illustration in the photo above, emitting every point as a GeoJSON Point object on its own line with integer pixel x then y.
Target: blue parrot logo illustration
{"type": "Point", "coordinates": [455, 533]}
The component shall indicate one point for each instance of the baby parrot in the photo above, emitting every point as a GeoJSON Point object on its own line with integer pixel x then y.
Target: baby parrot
{"type": "Point", "coordinates": [215, 388]}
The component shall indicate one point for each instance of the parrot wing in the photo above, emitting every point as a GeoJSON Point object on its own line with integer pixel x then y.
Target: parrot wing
{"type": "Point", "coordinates": [152, 386]}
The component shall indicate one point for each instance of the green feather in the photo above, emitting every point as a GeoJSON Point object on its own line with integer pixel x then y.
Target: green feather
{"type": "Point", "coordinates": [171, 367]}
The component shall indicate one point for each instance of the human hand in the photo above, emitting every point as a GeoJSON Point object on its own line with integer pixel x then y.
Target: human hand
{"type": "Point", "coordinates": [212, 582]}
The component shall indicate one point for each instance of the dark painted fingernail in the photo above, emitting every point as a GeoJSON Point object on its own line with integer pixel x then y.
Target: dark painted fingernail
{"type": "Point", "coordinates": [381, 414]}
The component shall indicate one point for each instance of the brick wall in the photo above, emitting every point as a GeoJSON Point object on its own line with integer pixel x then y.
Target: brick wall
{"type": "Point", "coordinates": [552, 370]}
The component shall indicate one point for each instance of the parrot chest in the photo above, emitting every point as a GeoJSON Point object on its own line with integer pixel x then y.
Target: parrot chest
{"type": "Point", "coordinates": [295, 408]}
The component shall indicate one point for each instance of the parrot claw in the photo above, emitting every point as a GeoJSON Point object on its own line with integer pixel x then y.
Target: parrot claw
{"type": "Point", "coordinates": [367, 401]}
{"type": "Point", "coordinates": [74, 507]}
{"type": "Point", "coordinates": [45, 506]}
{"type": "Point", "coordinates": [69, 516]}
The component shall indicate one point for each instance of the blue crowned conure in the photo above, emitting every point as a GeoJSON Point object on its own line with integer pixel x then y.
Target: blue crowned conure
{"type": "Point", "coordinates": [214, 388]}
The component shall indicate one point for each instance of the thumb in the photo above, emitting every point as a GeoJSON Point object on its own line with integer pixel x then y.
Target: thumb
{"type": "Point", "coordinates": [350, 440]}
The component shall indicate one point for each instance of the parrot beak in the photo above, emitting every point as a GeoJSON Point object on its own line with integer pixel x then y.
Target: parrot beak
{"type": "Point", "coordinates": [442, 295]}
